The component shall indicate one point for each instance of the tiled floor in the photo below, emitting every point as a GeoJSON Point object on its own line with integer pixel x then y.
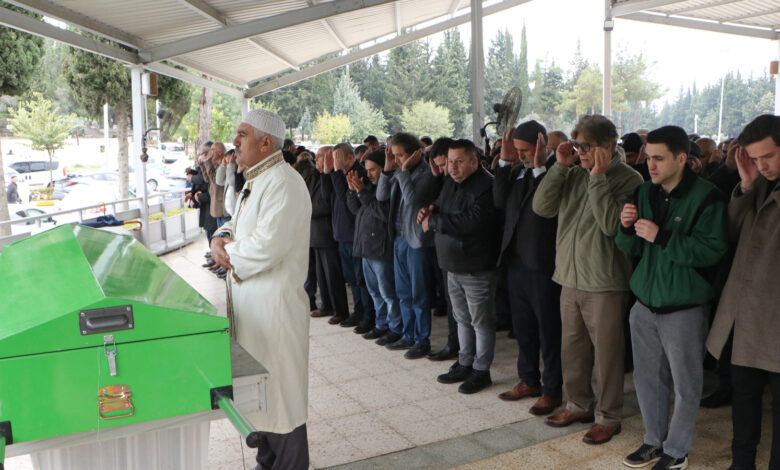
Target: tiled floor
{"type": "Point", "coordinates": [369, 408]}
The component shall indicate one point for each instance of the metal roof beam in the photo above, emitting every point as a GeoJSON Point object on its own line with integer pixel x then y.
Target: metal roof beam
{"type": "Point", "coordinates": [398, 18]}
{"type": "Point", "coordinates": [331, 30]}
{"type": "Point", "coordinates": [256, 27]}
{"type": "Point", "coordinates": [194, 79]}
{"type": "Point", "coordinates": [704, 7]}
{"type": "Point", "coordinates": [634, 6]}
{"type": "Point", "coordinates": [453, 7]}
{"type": "Point", "coordinates": [40, 28]}
{"type": "Point", "coordinates": [211, 13]}
{"type": "Point", "coordinates": [52, 10]}
{"type": "Point", "coordinates": [337, 62]}
{"type": "Point", "coordinates": [704, 25]}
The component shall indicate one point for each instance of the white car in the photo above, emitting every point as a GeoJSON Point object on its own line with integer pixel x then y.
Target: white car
{"type": "Point", "coordinates": [36, 172]}
{"type": "Point", "coordinates": [172, 152]}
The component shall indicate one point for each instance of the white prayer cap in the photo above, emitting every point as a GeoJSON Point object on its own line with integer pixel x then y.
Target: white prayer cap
{"type": "Point", "coordinates": [265, 121]}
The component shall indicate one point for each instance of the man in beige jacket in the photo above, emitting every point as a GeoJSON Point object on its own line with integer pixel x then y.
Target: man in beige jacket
{"type": "Point", "coordinates": [750, 303]}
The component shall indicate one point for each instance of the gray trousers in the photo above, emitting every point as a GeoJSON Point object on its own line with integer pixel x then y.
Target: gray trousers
{"type": "Point", "coordinates": [284, 451]}
{"type": "Point", "coordinates": [668, 355]}
{"type": "Point", "coordinates": [473, 298]}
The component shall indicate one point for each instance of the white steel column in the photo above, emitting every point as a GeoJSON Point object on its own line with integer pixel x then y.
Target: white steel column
{"type": "Point", "coordinates": [106, 140]}
{"type": "Point", "coordinates": [477, 70]}
{"type": "Point", "coordinates": [606, 99]}
{"type": "Point", "coordinates": [777, 85]}
{"type": "Point", "coordinates": [247, 102]}
{"type": "Point", "coordinates": [135, 156]}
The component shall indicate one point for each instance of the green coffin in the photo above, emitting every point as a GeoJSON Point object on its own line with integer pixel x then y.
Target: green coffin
{"type": "Point", "coordinates": [73, 296]}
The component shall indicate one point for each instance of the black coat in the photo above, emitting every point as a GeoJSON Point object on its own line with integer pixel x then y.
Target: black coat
{"type": "Point", "coordinates": [466, 224]}
{"type": "Point", "coordinates": [321, 226]}
{"type": "Point", "coordinates": [336, 189]}
{"type": "Point", "coordinates": [203, 202]}
{"type": "Point", "coordinates": [528, 240]}
{"type": "Point", "coordinates": [373, 240]}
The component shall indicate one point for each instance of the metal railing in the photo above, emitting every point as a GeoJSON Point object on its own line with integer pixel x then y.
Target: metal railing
{"type": "Point", "coordinates": [160, 236]}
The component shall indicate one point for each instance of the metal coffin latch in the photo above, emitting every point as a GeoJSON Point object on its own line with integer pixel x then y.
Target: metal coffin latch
{"type": "Point", "coordinates": [109, 349]}
{"type": "Point", "coordinates": [114, 402]}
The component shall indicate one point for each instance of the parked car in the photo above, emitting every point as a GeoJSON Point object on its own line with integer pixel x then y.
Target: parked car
{"type": "Point", "coordinates": [172, 152]}
{"type": "Point", "coordinates": [21, 211]}
{"type": "Point", "coordinates": [36, 172]}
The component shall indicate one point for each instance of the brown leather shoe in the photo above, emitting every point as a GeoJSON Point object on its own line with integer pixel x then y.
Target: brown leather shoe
{"type": "Point", "coordinates": [320, 313]}
{"type": "Point", "coordinates": [335, 320]}
{"type": "Point", "coordinates": [566, 417]}
{"type": "Point", "coordinates": [521, 390]}
{"type": "Point", "coordinates": [600, 433]}
{"type": "Point", "coordinates": [545, 405]}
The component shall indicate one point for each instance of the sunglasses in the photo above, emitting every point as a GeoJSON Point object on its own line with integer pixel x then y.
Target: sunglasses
{"type": "Point", "coordinates": [583, 147]}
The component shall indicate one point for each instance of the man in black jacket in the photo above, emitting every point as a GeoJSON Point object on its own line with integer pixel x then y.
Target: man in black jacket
{"type": "Point", "coordinates": [330, 277]}
{"type": "Point", "coordinates": [338, 163]}
{"type": "Point", "coordinates": [466, 228]}
{"type": "Point", "coordinates": [374, 244]}
{"type": "Point", "coordinates": [528, 249]}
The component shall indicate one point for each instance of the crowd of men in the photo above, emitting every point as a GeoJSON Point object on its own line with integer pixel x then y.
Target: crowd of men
{"type": "Point", "coordinates": [643, 251]}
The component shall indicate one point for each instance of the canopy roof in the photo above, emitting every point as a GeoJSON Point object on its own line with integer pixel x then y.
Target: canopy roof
{"type": "Point", "coordinates": [755, 18]}
{"type": "Point", "coordinates": [242, 43]}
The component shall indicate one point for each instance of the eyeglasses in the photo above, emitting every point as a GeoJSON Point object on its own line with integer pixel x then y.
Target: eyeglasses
{"type": "Point", "coordinates": [583, 147]}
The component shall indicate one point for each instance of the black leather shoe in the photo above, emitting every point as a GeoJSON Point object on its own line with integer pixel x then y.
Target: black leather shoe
{"type": "Point", "coordinates": [351, 321]}
{"type": "Point", "coordinates": [417, 351]}
{"type": "Point", "coordinates": [209, 263]}
{"type": "Point", "coordinates": [720, 397]}
{"type": "Point", "coordinates": [364, 327]}
{"type": "Point", "coordinates": [222, 276]}
{"type": "Point", "coordinates": [388, 338]}
{"type": "Point", "coordinates": [444, 354]}
{"type": "Point", "coordinates": [374, 334]}
{"type": "Point", "coordinates": [400, 344]}
{"type": "Point", "coordinates": [457, 373]}
{"type": "Point", "coordinates": [220, 271]}
{"type": "Point", "coordinates": [477, 381]}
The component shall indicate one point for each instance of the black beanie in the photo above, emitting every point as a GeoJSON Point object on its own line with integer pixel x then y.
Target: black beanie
{"type": "Point", "coordinates": [529, 132]}
{"type": "Point", "coordinates": [632, 142]}
{"type": "Point", "coordinates": [378, 157]}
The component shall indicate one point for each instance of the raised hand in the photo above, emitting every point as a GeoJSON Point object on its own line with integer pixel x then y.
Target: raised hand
{"type": "Point", "coordinates": [424, 213]}
{"type": "Point", "coordinates": [357, 181]}
{"type": "Point", "coordinates": [328, 164]}
{"type": "Point", "coordinates": [412, 161]}
{"type": "Point", "coordinates": [747, 168]}
{"type": "Point", "coordinates": [508, 152]}
{"type": "Point", "coordinates": [390, 161]}
{"type": "Point", "coordinates": [602, 158]}
{"type": "Point", "coordinates": [629, 215]}
{"type": "Point", "coordinates": [565, 155]}
{"type": "Point", "coordinates": [540, 156]}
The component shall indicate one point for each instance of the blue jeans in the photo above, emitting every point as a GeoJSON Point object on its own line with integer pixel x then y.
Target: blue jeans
{"type": "Point", "coordinates": [221, 220]}
{"type": "Point", "coordinates": [412, 283]}
{"type": "Point", "coordinates": [353, 274]}
{"type": "Point", "coordinates": [381, 285]}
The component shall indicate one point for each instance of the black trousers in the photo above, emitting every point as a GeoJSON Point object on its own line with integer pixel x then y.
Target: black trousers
{"type": "Point", "coordinates": [536, 321]}
{"type": "Point", "coordinates": [747, 390]}
{"type": "Point", "coordinates": [310, 286]}
{"type": "Point", "coordinates": [284, 451]}
{"type": "Point", "coordinates": [452, 325]}
{"type": "Point", "coordinates": [331, 281]}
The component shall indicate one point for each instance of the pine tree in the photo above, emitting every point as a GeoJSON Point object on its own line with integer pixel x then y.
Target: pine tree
{"type": "Point", "coordinates": [408, 80]}
{"type": "Point", "coordinates": [450, 89]}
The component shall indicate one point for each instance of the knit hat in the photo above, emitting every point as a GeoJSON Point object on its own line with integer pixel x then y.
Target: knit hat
{"type": "Point", "coordinates": [265, 121]}
{"type": "Point", "coordinates": [529, 132]}
{"type": "Point", "coordinates": [378, 157]}
{"type": "Point", "coordinates": [631, 142]}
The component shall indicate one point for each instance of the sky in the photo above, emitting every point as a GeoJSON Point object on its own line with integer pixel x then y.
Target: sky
{"type": "Point", "coordinates": [681, 56]}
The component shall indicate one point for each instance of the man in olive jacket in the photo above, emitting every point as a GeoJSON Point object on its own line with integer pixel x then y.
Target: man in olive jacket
{"type": "Point", "coordinates": [750, 302]}
{"type": "Point", "coordinates": [594, 274]}
{"type": "Point", "coordinates": [676, 226]}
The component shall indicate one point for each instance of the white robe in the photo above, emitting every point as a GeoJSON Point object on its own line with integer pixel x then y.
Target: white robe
{"type": "Point", "coordinates": [270, 257]}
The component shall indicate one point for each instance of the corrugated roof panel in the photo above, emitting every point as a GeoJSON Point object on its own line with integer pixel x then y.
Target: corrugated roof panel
{"type": "Point", "coordinates": [302, 42]}
{"type": "Point", "coordinates": [248, 10]}
{"type": "Point", "coordinates": [683, 6]}
{"type": "Point", "coordinates": [358, 25]}
{"type": "Point", "coordinates": [414, 11]}
{"type": "Point", "coordinates": [237, 59]}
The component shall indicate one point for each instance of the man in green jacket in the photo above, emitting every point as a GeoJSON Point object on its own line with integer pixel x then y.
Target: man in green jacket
{"type": "Point", "coordinates": [588, 199]}
{"type": "Point", "coordinates": [676, 227]}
